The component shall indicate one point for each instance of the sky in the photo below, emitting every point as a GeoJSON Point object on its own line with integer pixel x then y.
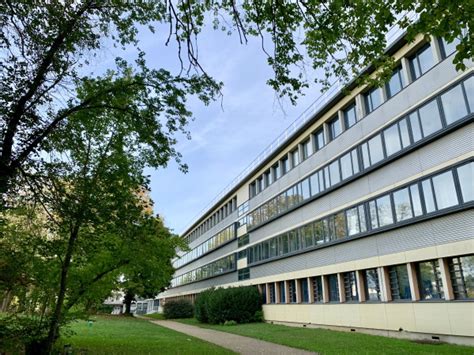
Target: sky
{"type": "Point", "coordinates": [226, 135]}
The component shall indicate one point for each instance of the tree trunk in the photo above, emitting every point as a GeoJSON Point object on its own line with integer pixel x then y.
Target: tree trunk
{"type": "Point", "coordinates": [53, 333]}
{"type": "Point", "coordinates": [129, 297]}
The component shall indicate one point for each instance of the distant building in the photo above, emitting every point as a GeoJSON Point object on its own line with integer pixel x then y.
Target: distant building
{"type": "Point", "coordinates": [362, 217]}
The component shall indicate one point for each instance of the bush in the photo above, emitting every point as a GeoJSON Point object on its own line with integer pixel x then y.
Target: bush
{"type": "Point", "coordinates": [180, 308]}
{"type": "Point", "coordinates": [239, 304]}
{"type": "Point", "coordinates": [201, 305]}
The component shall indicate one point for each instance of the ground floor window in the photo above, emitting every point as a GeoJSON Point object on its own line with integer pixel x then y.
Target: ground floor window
{"type": "Point", "coordinates": [292, 291]}
{"type": "Point", "coordinates": [429, 280]}
{"type": "Point", "coordinates": [399, 283]}
{"type": "Point", "coordinates": [271, 292]}
{"type": "Point", "coordinates": [350, 287]}
{"type": "Point", "coordinates": [317, 289]}
{"type": "Point", "coordinates": [333, 284]}
{"type": "Point", "coordinates": [372, 285]}
{"type": "Point", "coordinates": [304, 291]}
{"type": "Point", "coordinates": [281, 286]}
{"type": "Point", "coordinates": [461, 270]}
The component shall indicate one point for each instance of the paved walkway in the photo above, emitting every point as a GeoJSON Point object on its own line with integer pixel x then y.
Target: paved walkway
{"type": "Point", "coordinates": [237, 343]}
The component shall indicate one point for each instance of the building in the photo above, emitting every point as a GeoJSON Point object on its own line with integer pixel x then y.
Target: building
{"type": "Point", "coordinates": [361, 219]}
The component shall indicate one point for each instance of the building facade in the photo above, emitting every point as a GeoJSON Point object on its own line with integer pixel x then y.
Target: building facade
{"type": "Point", "coordinates": [362, 219]}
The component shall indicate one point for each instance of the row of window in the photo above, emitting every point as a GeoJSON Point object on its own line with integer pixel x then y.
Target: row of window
{"type": "Point", "coordinates": [211, 221]}
{"type": "Point", "coordinates": [346, 288]}
{"type": "Point", "coordinates": [419, 63]}
{"type": "Point", "coordinates": [215, 241]}
{"type": "Point", "coordinates": [452, 187]}
{"type": "Point", "coordinates": [419, 125]}
{"type": "Point", "coordinates": [216, 268]}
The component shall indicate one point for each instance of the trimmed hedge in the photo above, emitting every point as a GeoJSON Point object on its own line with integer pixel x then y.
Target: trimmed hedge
{"type": "Point", "coordinates": [239, 304]}
{"type": "Point", "coordinates": [180, 308]}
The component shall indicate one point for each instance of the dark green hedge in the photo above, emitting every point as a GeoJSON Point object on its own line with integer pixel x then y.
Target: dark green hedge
{"type": "Point", "coordinates": [180, 308]}
{"type": "Point", "coordinates": [240, 304]}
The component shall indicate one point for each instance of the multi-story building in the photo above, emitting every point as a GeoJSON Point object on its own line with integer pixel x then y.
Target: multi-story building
{"type": "Point", "coordinates": [362, 217]}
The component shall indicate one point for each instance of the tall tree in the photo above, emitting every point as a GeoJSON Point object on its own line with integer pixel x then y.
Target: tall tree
{"type": "Point", "coordinates": [44, 45]}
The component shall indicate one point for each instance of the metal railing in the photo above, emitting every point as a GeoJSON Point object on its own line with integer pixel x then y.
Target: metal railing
{"type": "Point", "coordinates": [393, 34]}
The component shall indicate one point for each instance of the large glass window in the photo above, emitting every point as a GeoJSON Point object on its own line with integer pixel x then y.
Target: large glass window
{"type": "Point", "coordinates": [429, 280]}
{"type": "Point", "coordinates": [421, 62]}
{"type": "Point", "coordinates": [292, 291]}
{"type": "Point", "coordinates": [381, 212]}
{"type": "Point", "coordinates": [448, 48]}
{"type": "Point", "coordinates": [372, 285]}
{"type": "Point", "coordinates": [350, 287]}
{"type": "Point", "coordinates": [317, 289]}
{"type": "Point", "coordinates": [295, 157]}
{"type": "Point", "coordinates": [356, 222]}
{"type": "Point", "coordinates": [454, 105]}
{"type": "Point", "coordinates": [469, 86]}
{"type": "Point", "coordinates": [276, 171]}
{"type": "Point", "coordinates": [333, 285]}
{"type": "Point", "coordinates": [466, 181]}
{"type": "Point", "coordinates": [376, 149]}
{"type": "Point", "coordinates": [319, 139]}
{"type": "Point", "coordinates": [396, 82]}
{"type": "Point", "coordinates": [285, 165]}
{"type": "Point", "coordinates": [281, 287]}
{"type": "Point", "coordinates": [244, 274]}
{"type": "Point", "coordinates": [349, 164]}
{"type": "Point", "coordinates": [307, 235]}
{"type": "Point", "coordinates": [304, 290]}
{"type": "Point", "coordinates": [445, 192]}
{"type": "Point", "coordinates": [392, 140]}
{"type": "Point", "coordinates": [461, 270]}
{"type": "Point", "coordinates": [334, 172]}
{"type": "Point", "coordinates": [399, 283]}
{"type": "Point", "coordinates": [307, 148]}
{"type": "Point", "coordinates": [430, 118]}
{"type": "Point", "coordinates": [401, 200]}
{"type": "Point", "coordinates": [350, 116]}
{"type": "Point", "coordinates": [372, 100]}
{"type": "Point", "coordinates": [335, 128]}
{"type": "Point", "coordinates": [271, 292]}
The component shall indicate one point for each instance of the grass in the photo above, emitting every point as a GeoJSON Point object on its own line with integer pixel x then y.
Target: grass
{"type": "Point", "coordinates": [158, 316]}
{"type": "Point", "coordinates": [127, 335]}
{"type": "Point", "coordinates": [333, 342]}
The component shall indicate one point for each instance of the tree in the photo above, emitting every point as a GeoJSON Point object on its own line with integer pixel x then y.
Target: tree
{"type": "Point", "coordinates": [44, 46]}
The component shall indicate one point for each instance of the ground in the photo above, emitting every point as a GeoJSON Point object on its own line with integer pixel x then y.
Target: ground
{"type": "Point", "coordinates": [334, 342]}
{"type": "Point", "coordinates": [127, 335]}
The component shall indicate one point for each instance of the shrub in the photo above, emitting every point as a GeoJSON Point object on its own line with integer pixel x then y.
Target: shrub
{"type": "Point", "coordinates": [201, 305]}
{"type": "Point", "coordinates": [180, 308]}
{"type": "Point", "coordinates": [238, 304]}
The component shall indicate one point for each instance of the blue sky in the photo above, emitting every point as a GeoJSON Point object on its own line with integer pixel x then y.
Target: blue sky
{"type": "Point", "coordinates": [228, 134]}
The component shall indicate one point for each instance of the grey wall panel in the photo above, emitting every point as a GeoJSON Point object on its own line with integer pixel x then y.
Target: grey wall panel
{"type": "Point", "coordinates": [449, 147]}
{"type": "Point", "coordinates": [455, 227]}
{"type": "Point", "coordinates": [229, 248]}
{"type": "Point", "coordinates": [440, 75]}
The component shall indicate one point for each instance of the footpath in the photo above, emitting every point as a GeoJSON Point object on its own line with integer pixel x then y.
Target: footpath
{"type": "Point", "coordinates": [240, 344]}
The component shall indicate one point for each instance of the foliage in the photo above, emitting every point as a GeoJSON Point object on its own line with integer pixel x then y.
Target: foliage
{"type": "Point", "coordinates": [323, 341]}
{"type": "Point", "coordinates": [230, 322]}
{"type": "Point", "coordinates": [46, 48]}
{"type": "Point", "coordinates": [239, 304]}
{"type": "Point", "coordinates": [180, 308]}
{"type": "Point", "coordinates": [129, 335]}
{"type": "Point", "coordinates": [201, 305]}
{"type": "Point", "coordinates": [20, 334]}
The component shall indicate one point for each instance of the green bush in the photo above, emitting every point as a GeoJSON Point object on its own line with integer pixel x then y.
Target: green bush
{"type": "Point", "coordinates": [239, 304]}
{"type": "Point", "coordinates": [180, 308]}
{"type": "Point", "coordinates": [201, 305]}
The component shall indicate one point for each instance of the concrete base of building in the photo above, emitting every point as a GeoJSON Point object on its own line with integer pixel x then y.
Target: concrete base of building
{"type": "Point", "coordinates": [401, 334]}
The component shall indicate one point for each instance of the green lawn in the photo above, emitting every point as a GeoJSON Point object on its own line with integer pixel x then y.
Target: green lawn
{"type": "Point", "coordinates": [127, 335]}
{"type": "Point", "coordinates": [333, 342]}
{"type": "Point", "coordinates": [158, 316]}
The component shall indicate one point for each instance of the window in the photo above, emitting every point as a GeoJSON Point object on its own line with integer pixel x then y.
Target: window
{"type": "Point", "coordinates": [399, 283]}
{"type": "Point", "coordinates": [469, 86]}
{"type": "Point", "coordinates": [268, 178]}
{"type": "Point", "coordinates": [372, 100]}
{"type": "Point", "coordinates": [466, 181]}
{"type": "Point", "coordinates": [276, 171]}
{"type": "Point", "coordinates": [307, 236]}
{"type": "Point", "coordinates": [448, 48]}
{"type": "Point", "coordinates": [281, 287]}
{"type": "Point", "coordinates": [307, 149]}
{"type": "Point", "coordinates": [461, 270]}
{"type": "Point", "coordinates": [439, 192]}
{"type": "Point", "coordinates": [430, 118]}
{"type": "Point", "coordinates": [285, 165]}
{"type": "Point", "coordinates": [244, 240]}
{"type": "Point", "coordinates": [454, 105]}
{"type": "Point", "coordinates": [350, 116]}
{"type": "Point", "coordinates": [393, 143]}
{"type": "Point", "coordinates": [372, 151]}
{"type": "Point", "coordinates": [350, 287]}
{"type": "Point", "coordinates": [396, 83]}
{"type": "Point", "coordinates": [429, 280]}
{"type": "Point", "coordinates": [334, 172]}
{"type": "Point", "coordinates": [264, 293]}
{"type": "Point", "coordinates": [317, 183]}
{"type": "Point", "coordinates": [253, 190]}
{"type": "Point", "coordinates": [381, 212]}
{"type": "Point", "coordinates": [244, 274]}
{"type": "Point", "coordinates": [337, 226]}
{"type": "Point", "coordinates": [304, 291]}
{"type": "Point", "coordinates": [421, 62]}
{"type": "Point", "coordinates": [333, 288]}
{"type": "Point", "coordinates": [295, 157]}
{"type": "Point", "coordinates": [317, 289]}
{"type": "Point", "coordinates": [271, 292]}
{"type": "Point", "coordinates": [321, 232]}
{"type": "Point", "coordinates": [334, 126]}
{"type": "Point", "coordinates": [402, 203]}
{"type": "Point", "coordinates": [349, 164]}
{"type": "Point", "coordinates": [356, 222]}
{"type": "Point", "coordinates": [303, 188]}
{"type": "Point", "coordinates": [319, 139]}
{"type": "Point", "coordinates": [372, 285]}
{"type": "Point", "coordinates": [292, 291]}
